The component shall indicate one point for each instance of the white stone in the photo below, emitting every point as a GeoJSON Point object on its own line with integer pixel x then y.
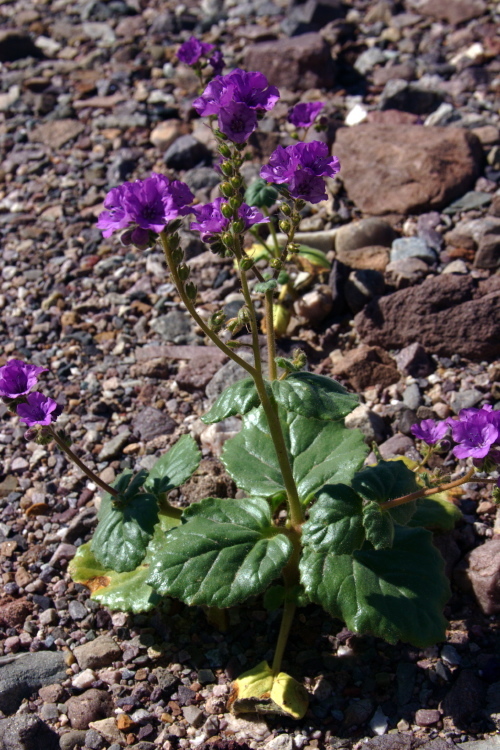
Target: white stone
{"type": "Point", "coordinates": [379, 722]}
{"type": "Point", "coordinates": [84, 680]}
{"type": "Point", "coordinates": [356, 115]}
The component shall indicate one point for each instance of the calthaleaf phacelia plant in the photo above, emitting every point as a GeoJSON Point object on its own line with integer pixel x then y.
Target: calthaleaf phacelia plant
{"type": "Point", "coordinates": [313, 525]}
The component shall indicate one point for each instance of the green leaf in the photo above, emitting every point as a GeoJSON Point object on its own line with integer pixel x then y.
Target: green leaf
{"type": "Point", "coordinates": [335, 521]}
{"type": "Point", "coordinates": [174, 467]}
{"type": "Point", "coordinates": [379, 526]}
{"type": "Point", "coordinates": [435, 512]}
{"type": "Point", "coordinates": [314, 256]}
{"type": "Point", "coordinates": [124, 531]}
{"type": "Point", "coordinates": [226, 551]}
{"type": "Point", "coordinates": [259, 691]}
{"type": "Point", "coordinates": [395, 594]}
{"type": "Point", "coordinates": [265, 286]}
{"type": "Point", "coordinates": [260, 194]}
{"type": "Point", "coordinates": [321, 453]}
{"type": "Point", "coordinates": [314, 396]}
{"type": "Point", "coordinates": [128, 592]}
{"type": "Point", "coordinates": [388, 480]}
{"type": "Point", "coordinates": [239, 398]}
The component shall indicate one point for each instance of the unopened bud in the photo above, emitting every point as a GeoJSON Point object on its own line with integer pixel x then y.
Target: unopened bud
{"type": "Point", "coordinates": [224, 150]}
{"type": "Point", "coordinates": [174, 241]}
{"type": "Point", "coordinates": [276, 264]}
{"type": "Point", "coordinates": [293, 247]}
{"type": "Point", "coordinates": [236, 181]}
{"type": "Point", "coordinates": [226, 189]}
{"type": "Point", "coordinates": [219, 134]}
{"type": "Point", "coordinates": [244, 316]}
{"type": "Point", "coordinates": [235, 202]}
{"type": "Point", "coordinates": [246, 264]}
{"type": "Point", "coordinates": [299, 204]}
{"type": "Point", "coordinates": [183, 271]}
{"type": "Point", "coordinates": [178, 255]}
{"type": "Point", "coordinates": [31, 434]}
{"type": "Point", "coordinates": [226, 168]}
{"type": "Point", "coordinates": [238, 226]}
{"type": "Point", "coordinates": [226, 210]}
{"type": "Point", "coordinates": [285, 225]}
{"type": "Point", "coordinates": [227, 238]}
{"type": "Point", "coordinates": [173, 226]}
{"type": "Point", "coordinates": [191, 290]}
{"type": "Point", "coordinates": [285, 209]}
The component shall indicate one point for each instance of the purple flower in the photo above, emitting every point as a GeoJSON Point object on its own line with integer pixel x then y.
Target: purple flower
{"type": "Point", "coordinates": [286, 164]}
{"type": "Point", "coordinates": [211, 222]}
{"type": "Point", "coordinates": [430, 431]}
{"type": "Point", "coordinates": [304, 113]}
{"type": "Point", "coordinates": [217, 62]}
{"type": "Point", "coordinates": [237, 121]}
{"type": "Point", "coordinates": [239, 86]}
{"type": "Point", "coordinates": [146, 205]}
{"type": "Point", "coordinates": [38, 409]}
{"type": "Point", "coordinates": [474, 433]}
{"type": "Point", "coordinates": [191, 51]}
{"type": "Point", "coordinates": [18, 377]}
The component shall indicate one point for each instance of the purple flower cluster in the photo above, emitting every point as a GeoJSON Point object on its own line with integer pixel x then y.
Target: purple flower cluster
{"type": "Point", "coordinates": [302, 167]}
{"type": "Point", "coordinates": [211, 222]}
{"type": "Point", "coordinates": [17, 378]}
{"type": "Point", "coordinates": [304, 114]}
{"type": "Point", "coordinates": [236, 99]}
{"type": "Point", "coordinates": [144, 206]}
{"type": "Point", "coordinates": [476, 433]}
{"type": "Point", "coordinates": [193, 50]}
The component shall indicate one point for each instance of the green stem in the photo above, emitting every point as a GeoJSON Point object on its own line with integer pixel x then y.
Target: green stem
{"type": "Point", "coordinates": [271, 342]}
{"type": "Point", "coordinates": [166, 509]}
{"type": "Point", "coordinates": [253, 319]}
{"type": "Point", "coordinates": [286, 624]}
{"type": "Point", "coordinates": [73, 457]}
{"type": "Point", "coordinates": [192, 310]}
{"type": "Point", "coordinates": [291, 577]}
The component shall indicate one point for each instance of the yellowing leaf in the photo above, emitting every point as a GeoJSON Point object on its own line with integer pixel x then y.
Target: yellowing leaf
{"type": "Point", "coordinates": [258, 691]}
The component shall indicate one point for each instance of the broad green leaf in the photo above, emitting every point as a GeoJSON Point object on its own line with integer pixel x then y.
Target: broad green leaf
{"type": "Point", "coordinates": [226, 551]}
{"type": "Point", "coordinates": [314, 256]}
{"type": "Point", "coordinates": [321, 453]}
{"type": "Point", "coordinates": [379, 526]}
{"type": "Point", "coordinates": [124, 531]}
{"type": "Point", "coordinates": [395, 594]}
{"type": "Point", "coordinates": [335, 521]}
{"type": "Point", "coordinates": [314, 396]}
{"type": "Point", "coordinates": [238, 398]}
{"type": "Point", "coordinates": [388, 480]}
{"type": "Point", "coordinates": [260, 194]}
{"type": "Point", "coordinates": [258, 691]}
{"type": "Point", "coordinates": [435, 512]}
{"type": "Point", "coordinates": [174, 467]}
{"type": "Point", "coordinates": [265, 286]}
{"type": "Point", "coordinates": [274, 597]}
{"type": "Point", "coordinates": [128, 592]}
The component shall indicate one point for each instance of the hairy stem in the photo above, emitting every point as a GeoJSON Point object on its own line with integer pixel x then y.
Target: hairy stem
{"type": "Point", "coordinates": [271, 342]}
{"type": "Point", "coordinates": [192, 310]}
{"type": "Point", "coordinates": [88, 472]}
{"type": "Point", "coordinates": [291, 577]}
{"type": "Point", "coordinates": [426, 491]}
{"type": "Point", "coordinates": [286, 624]}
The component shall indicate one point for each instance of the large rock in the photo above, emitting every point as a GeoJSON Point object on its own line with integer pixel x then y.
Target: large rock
{"type": "Point", "coordinates": [447, 314]}
{"type": "Point", "coordinates": [26, 674]}
{"type": "Point", "coordinates": [453, 11]}
{"type": "Point", "coordinates": [365, 366]}
{"type": "Point", "coordinates": [308, 61]}
{"type": "Point", "coordinates": [98, 653]}
{"type": "Point", "coordinates": [480, 572]}
{"type": "Point", "coordinates": [91, 705]}
{"type": "Point", "coordinates": [27, 732]}
{"type": "Point", "coordinates": [444, 164]}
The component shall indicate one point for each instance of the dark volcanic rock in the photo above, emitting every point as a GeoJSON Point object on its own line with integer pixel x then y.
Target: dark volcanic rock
{"type": "Point", "coordinates": [444, 164]}
{"type": "Point", "coordinates": [466, 698]}
{"type": "Point", "coordinates": [446, 314]}
{"type": "Point", "coordinates": [308, 61]}
{"type": "Point", "coordinates": [26, 674]}
{"type": "Point", "coordinates": [27, 732]}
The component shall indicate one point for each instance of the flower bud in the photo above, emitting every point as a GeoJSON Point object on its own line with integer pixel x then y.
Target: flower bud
{"type": "Point", "coordinates": [173, 226]}
{"type": "Point", "coordinates": [31, 434]}
{"type": "Point", "coordinates": [293, 247]}
{"type": "Point", "coordinates": [238, 226]}
{"type": "Point", "coordinates": [226, 168]}
{"type": "Point", "coordinates": [244, 316]}
{"type": "Point", "coordinates": [219, 134]}
{"type": "Point", "coordinates": [300, 204]}
{"type": "Point", "coordinates": [177, 255]}
{"type": "Point", "coordinates": [227, 238]}
{"type": "Point", "coordinates": [183, 271]}
{"type": "Point", "coordinates": [226, 189]}
{"type": "Point", "coordinates": [226, 210]}
{"type": "Point", "coordinates": [285, 209]}
{"type": "Point", "coordinates": [224, 150]}
{"type": "Point", "coordinates": [174, 241]}
{"type": "Point", "coordinates": [236, 181]}
{"type": "Point", "coordinates": [276, 264]}
{"type": "Point", "coordinates": [285, 225]}
{"type": "Point", "coordinates": [235, 202]}
{"type": "Point", "coordinates": [241, 146]}
{"type": "Point", "coordinates": [191, 290]}
{"type": "Point", "coordinates": [246, 264]}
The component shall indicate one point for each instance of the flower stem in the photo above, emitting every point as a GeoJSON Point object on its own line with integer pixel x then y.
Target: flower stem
{"type": "Point", "coordinates": [73, 457]}
{"type": "Point", "coordinates": [271, 342]}
{"type": "Point", "coordinates": [426, 491]}
{"type": "Point", "coordinates": [192, 310]}
{"type": "Point", "coordinates": [285, 627]}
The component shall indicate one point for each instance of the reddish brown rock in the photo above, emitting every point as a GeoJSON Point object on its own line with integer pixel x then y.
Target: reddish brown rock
{"type": "Point", "coordinates": [308, 61]}
{"type": "Point", "coordinates": [91, 705]}
{"type": "Point", "coordinates": [447, 314]}
{"type": "Point", "coordinates": [366, 366]}
{"type": "Point", "coordinates": [426, 717]}
{"type": "Point", "coordinates": [198, 372]}
{"type": "Point", "coordinates": [444, 164]}
{"type": "Point", "coordinates": [452, 11]}
{"type": "Point", "coordinates": [480, 572]}
{"type": "Point", "coordinates": [14, 612]}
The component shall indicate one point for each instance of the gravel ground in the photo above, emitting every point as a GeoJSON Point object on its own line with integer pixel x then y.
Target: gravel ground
{"type": "Point", "coordinates": [92, 94]}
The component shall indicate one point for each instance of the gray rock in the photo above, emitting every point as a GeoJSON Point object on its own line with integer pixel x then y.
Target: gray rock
{"type": "Point", "coordinates": [409, 97]}
{"type": "Point", "coordinates": [426, 229]}
{"type": "Point", "coordinates": [412, 396]}
{"type": "Point", "coordinates": [364, 233]}
{"type": "Point", "coordinates": [151, 423]}
{"type": "Point", "coordinates": [397, 445]}
{"type": "Point", "coordinates": [98, 653]}
{"type": "Point", "coordinates": [361, 287]}
{"type": "Point", "coordinates": [468, 202]}
{"type": "Point", "coordinates": [480, 572]}
{"type": "Point", "coordinates": [114, 446]}
{"type": "Point", "coordinates": [175, 327]}
{"type": "Point", "coordinates": [369, 422]}
{"type": "Point", "coordinates": [26, 674]}
{"type": "Point", "coordinates": [466, 698]}
{"type": "Point", "coordinates": [358, 712]}
{"type": "Point", "coordinates": [490, 743]}
{"type": "Point", "coordinates": [27, 732]}
{"type": "Point", "coordinates": [323, 240]}
{"type": "Point", "coordinates": [77, 610]}
{"type": "Point", "coordinates": [186, 152]}
{"type": "Point", "coordinates": [488, 251]}
{"type": "Point", "coordinates": [406, 674]}
{"type": "Point", "coordinates": [412, 247]}
{"type": "Point", "coordinates": [404, 273]}
{"type": "Point", "coordinates": [73, 738]}
{"type": "Point", "coordinates": [368, 59]}
{"type": "Point", "coordinates": [414, 360]}
{"type": "Point", "coordinates": [465, 399]}
{"type": "Point", "coordinates": [193, 715]}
